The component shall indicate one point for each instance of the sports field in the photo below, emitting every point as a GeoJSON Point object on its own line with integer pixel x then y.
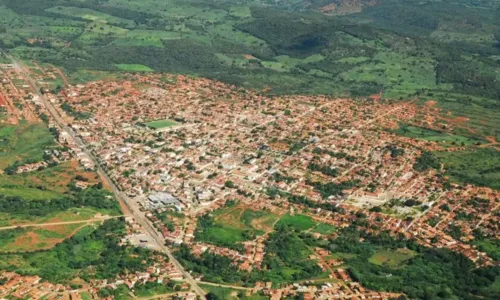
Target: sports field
{"type": "Point", "coordinates": [160, 124]}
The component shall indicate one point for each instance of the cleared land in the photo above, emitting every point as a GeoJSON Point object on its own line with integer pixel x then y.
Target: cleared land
{"type": "Point", "coordinates": [31, 239]}
{"type": "Point", "coordinates": [231, 225]}
{"type": "Point", "coordinates": [391, 258]}
{"type": "Point", "coordinates": [300, 222]}
{"type": "Point", "coordinates": [160, 124]}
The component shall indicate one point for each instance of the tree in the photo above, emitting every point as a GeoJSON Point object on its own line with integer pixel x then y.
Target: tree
{"type": "Point", "coordinates": [211, 296]}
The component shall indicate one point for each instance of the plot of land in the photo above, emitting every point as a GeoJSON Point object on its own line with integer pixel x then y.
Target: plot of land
{"type": "Point", "coordinates": [236, 224]}
{"type": "Point", "coordinates": [27, 141]}
{"type": "Point", "coordinates": [30, 239]}
{"type": "Point", "coordinates": [477, 166]}
{"type": "Point", "coordinates": [391, 259]}
{"type": "Point", "coordinates": [441, 137]}
{"type": "Point", "coordinates": [161, 124]}
{"type": "Point", "coordinates": [90, 15]}
{"type": "Point", "coordinates": [134, 68]}
{"type": "Point", "coordinates": [300, 222]}
{"type": "Point", "coordinates": [324, 228]}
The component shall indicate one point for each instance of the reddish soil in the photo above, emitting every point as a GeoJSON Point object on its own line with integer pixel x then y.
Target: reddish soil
{"type": "Point", "coordinates": [29, 238]}
{"type": "Point", "coordinates": [430, 103]}
{"type": "Point", "coordinates": [490, 139]}
{"type": "Point", "coordinates": [461, 119]}
{"type": "Point", "coordinates": [2, 100]}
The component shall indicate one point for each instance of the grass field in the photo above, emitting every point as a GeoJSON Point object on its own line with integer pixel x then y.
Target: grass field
{"type": "Point", "coordinates": [324, 228]}
{"type": "Point", "coordinates": [23, 142]}
{"type": "Point", "coordinates": [391, 259]}
{"type": "Point", "coordinates": [160, 124]}
{"type": "Point", "coordinates": [443, 138]}
{"type": "Point", "coordinates": [236, 224]}
{"type": "Point", "coordinates": [134, 68]}
{"type": "Point", "coordinates": [72, 214]}
{"type": "Point", "coordinates": [300, 222]}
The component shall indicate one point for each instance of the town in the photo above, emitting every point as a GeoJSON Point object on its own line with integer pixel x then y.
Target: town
{"type": "Point", "coordinates": [181, 148]}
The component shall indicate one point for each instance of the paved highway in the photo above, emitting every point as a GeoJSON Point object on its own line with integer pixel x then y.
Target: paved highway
{"type": "Point", "coordinates": [134, 211]}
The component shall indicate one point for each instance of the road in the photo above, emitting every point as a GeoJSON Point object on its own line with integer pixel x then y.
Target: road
{"type": "Point", "coordinates": [138, 215]}
{"type": "Point", "coordinates": [59, 223]}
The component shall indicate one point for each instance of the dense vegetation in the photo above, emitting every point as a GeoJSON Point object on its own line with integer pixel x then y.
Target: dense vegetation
{"type": "Point", "coordinates": [286, 260]}
{"type": "Point", "coordinates": [90, 254]}
{"type": "Point", "coordinates": [427, 274]}
{"type": "Point", "coordinates": [91, 197]}
{"type": "Point", "coordinates": [479, 166]}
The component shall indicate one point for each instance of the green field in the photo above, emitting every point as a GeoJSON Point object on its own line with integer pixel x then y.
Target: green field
{"type": "Point", "coordinates": [391, 259]}
{"type": "Point", "coordinates": [324, 228]}
{"type": "Point", "coordinates": [300, 222]}
{"type": "Point", "coordinates": [443, 138]}
{"type": "Point", "coordinates": [24, 143]}
{"type": "Point", "coordinates": [160, 124]}
{"type": "Point", "coordinates": [478, 166]}
{"type": "Point", "coordinates": [231, 225]}
{"type": "Point", "coordinates": [135, 68]}
{"type": "Point", "coordinates": [33, 239]}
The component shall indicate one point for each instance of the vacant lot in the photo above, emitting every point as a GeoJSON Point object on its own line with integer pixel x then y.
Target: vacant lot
{"type": "Point", "coordinates": [236, 224]}
{"type": "Point", "coordinates": [31, 239]}
{"type": "Point", "coordinates": [391, 258]}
